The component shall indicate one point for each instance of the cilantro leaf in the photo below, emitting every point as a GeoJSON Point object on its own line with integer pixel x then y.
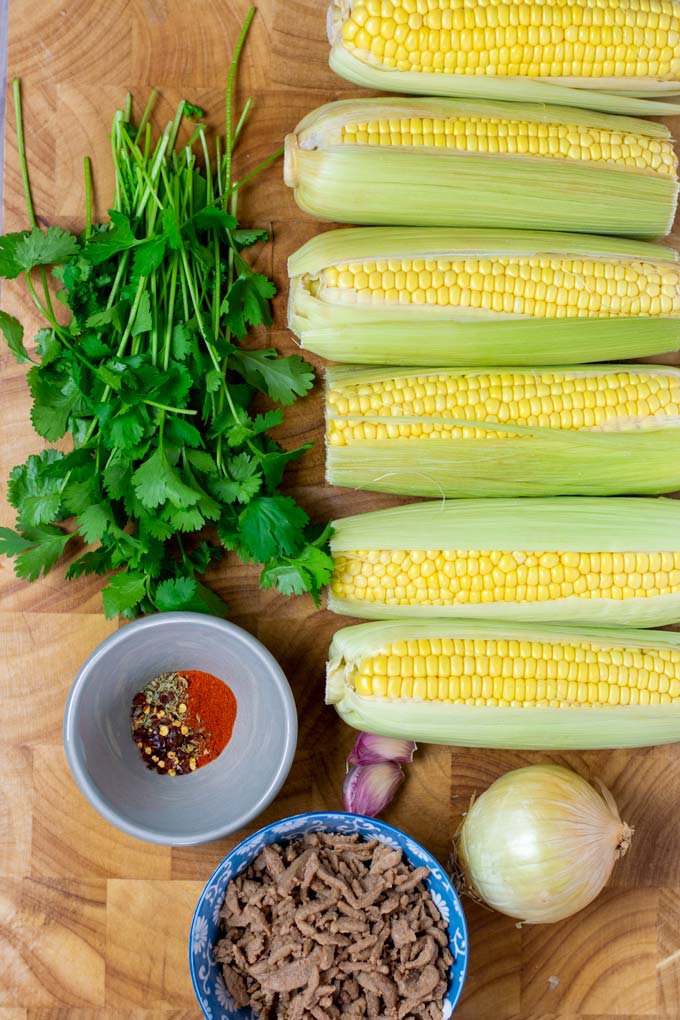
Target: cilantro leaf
{"type": "Point", "coordinates": [12, 543]}
{"type": "Point", "coordinates": [212, 380]}
{"type": "Point", "coordinates": [202, 461]}
{"type": "Point", "coordinates": [240, 427]}
{"type": "Point", "coordinates": [47, 346]}
{"type": "Point", "coordinates": [95, 561]}
{"type": "Point", "coordinates": [248, 302]}
{"type": "Point", "coordinates": [123, 593]}
{"type": "Point", "coordinates": [13, 332]}
{"type": "Point", "coordinates": [181, 341]}
{"type": "Point", "coordinates": [9, 267]}
{"type": "Point", "coordinates": [143, 321]}
{"type": "Point", "coordinates": [211, 218]}
{"type": "Point", "coordinates": [148, 256]}
{"type": "Point", "coordinates": [187, 594]}
{"type": "Point", "coordinates": [53, 404]}
{"type": "Point", "coordinates": [125, 431]}
{"type": "Point", "coordinates": [275, 461]}
{"type": "Point", "coordinates": [103, 246]}
{"type": "Point", "coordinates": [283, 379]}
{"type": "Point", "coordinates": [180, 432]}
{"type": "Point", "coordinates": [171, 227]}
{"type": "Point", "coordinates": [37, 498]}
{"type": "Point", "coordinates": [93, 347]}
{"type": "Point", "coordinates": [116, 477]}
{"type": "Point", "coordinates": [58, 465]}
{"type": "Point", "coordinates": [44, 249]}
{"type": "Point", "coordinates": [156, 482]}
{"type": "Point", "coordinates": [241, 482]}
{"type": "Point", "coordinates": [78, 496]}
{"type": "Point", "coordinates": [202, 556]}
{"type": "Point", "coordinates": [185, 519]}
{"type": "Point", "coordinates": [192, 111]}
{"type": "Point", "coordinates": [46, 545]}
{"type": "Point", "coordinates": [271, 525]}
{"type": "Point", "coordinates": [154, 527]}
{"type": "Point", "coordinates": [175, 593]}
{"type": "Point", "coordinates": [309, 571]}
{"type": "Point", "coordinates": [103, 318]}
{"type": "Point", "coordinates": [95, 521]}
{"type": "Point", "coordinates": [246, 238]}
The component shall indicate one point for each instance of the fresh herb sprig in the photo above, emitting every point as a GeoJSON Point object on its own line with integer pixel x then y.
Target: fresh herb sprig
{"type": "Point", "coordinates": [150, 381]}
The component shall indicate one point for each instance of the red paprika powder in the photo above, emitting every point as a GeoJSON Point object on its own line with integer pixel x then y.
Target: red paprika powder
{"type": "Point", "coordinates": [211, 711]}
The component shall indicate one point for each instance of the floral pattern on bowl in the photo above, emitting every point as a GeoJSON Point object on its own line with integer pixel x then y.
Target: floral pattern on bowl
{"type": "Point", "coordinates": [209, 986]}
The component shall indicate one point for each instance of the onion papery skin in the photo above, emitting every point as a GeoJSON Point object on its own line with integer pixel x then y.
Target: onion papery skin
{"type": "Point", "coordinates": [540, 844]}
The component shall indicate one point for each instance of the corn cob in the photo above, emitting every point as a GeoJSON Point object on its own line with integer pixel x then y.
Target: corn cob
{"type": "Point", "coordinates": [605, 430]}
{"type": "Point", "coordinates": [570, 561]}
{"type": "Point", "coordinates": [568, 52]}
{"type": "Point", "coordinates": [483, 164]}
{"type": "Point", "coordinates": [503, 685]}
{"type": "Point", "coordinates": [385, 295]}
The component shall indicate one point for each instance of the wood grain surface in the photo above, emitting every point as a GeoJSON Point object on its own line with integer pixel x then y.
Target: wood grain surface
{"type": "Point", "coordinates": [93, 924]}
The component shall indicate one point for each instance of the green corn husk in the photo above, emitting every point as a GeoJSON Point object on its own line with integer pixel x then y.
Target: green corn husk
{"type": "Point", "coordinates": [586, 525]}
{"type": "Point", "coordinates": [439, 187]}
{"type": "Point", "coordinates": [631, 456]}
{"type": "Point", "coordinates": [385, 334]}
{"type": "Point", "coordinates": [641, 97]}
{"type": "Point", "coordinates": [526, 342]}
{"type": "Point", "coordinates": [530, 728]}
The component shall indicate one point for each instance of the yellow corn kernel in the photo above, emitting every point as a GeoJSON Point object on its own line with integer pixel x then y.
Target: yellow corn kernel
{"type": "Point", "coordinates": [510, 137]}
{"type": "Point", "coordinates": [446, 586]}
{"type": "Point", "coordinates": [519, 284]}
{"type": "Point", "coordinates": [507, 38]}
{"type": "Point", "coordinates": [494, 672]}
{"type": "Point", "coordinates": [529, 398]}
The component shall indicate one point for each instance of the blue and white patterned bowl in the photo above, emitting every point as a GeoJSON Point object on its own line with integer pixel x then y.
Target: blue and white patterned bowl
{"type": "Point", "coordinates": [209, 986]}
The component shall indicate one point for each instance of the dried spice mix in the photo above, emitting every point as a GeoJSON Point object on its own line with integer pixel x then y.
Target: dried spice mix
{"type": "Point", "coordinates": [182, 721]}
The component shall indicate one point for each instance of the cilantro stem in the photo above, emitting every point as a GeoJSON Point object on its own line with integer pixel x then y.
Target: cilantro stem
{"type": "Point", "coordinates": [218, 164]}
{"type": "Point", "coordinates": [47, 311]}
{"type": "Point", "coordinates": [155, 172]}
{"type": "Point", "coordinates": [242, 119]}
{"type": "Point", "coordinates": [229, 99]}
{"type": "Point", "coordinates": [217, 287]}
{"type": "Point", "coordinates": [185, 299]}
{"type": "Point", "coordinates": [147, 113]}
{"type": "Point", "coordinates": [224, 392]}
{"type": "Point", "coordinates": [120, 272]}
{"type": "Point", "coordinates": [174, 126]}
{"type": "Point", "coordinates": [139, 294]}
{"type": "Point", "coordinates": [137, 157]}
{"type": "Point", "coordinates": [21, 145]}
{"type": "Point", "coordinates": [115, 147]}
{"type": "Point", "coordinates": [208, 170]}
{"type": "Point", "coordinates": [154, 318]}
{"type": "Point", "coordinates": [197, 307]}
{"type": "Point", "coordinates": [87, 173]}
{"type": "Point", "coordinates": [23, 164]}
{"type": "Point", "coordinates": [170, 314]}
{"type": "Point", "coordinates": [256, 170]}
{"type": "Point", "coordinates": [165, 407]}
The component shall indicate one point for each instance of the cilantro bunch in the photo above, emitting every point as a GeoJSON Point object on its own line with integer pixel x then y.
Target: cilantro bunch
{"type": "Point", "coordinates": [151, 383]}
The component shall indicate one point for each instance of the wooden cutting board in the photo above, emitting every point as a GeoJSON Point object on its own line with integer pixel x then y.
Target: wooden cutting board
{"type": "Point", "coordinates": [93, 925]}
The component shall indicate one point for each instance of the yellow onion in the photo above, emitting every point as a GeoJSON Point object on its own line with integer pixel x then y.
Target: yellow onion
{"type": "Point", "coordinates": [540, 843]}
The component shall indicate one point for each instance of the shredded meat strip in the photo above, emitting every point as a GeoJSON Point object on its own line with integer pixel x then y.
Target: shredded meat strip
{"type": "Point", "coordinates": [333, 928]}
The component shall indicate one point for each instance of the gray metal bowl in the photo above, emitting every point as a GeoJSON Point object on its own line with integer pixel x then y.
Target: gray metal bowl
{"type": "Point", "coordinates": [215, 800]}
